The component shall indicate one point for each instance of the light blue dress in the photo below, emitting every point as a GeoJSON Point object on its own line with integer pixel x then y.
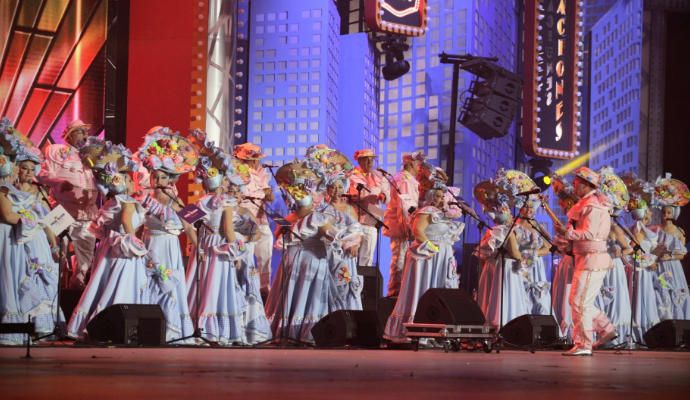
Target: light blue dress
{"type": "Point", "coordinates": [222, 301]}
{"type": "Point", "coordinates": [302, 292]}
{"type": "Point", "coordinates": [491, 286]}
{"type": "Point", "coordinates": [672, 280]}
{"type": "Point", "coordinates": [29, 275]}
{"type": "Point", "coordinates": [167, 286]}
{"type": "Point", "coordinates": [562, 278]}
{"type": "Point", "coordinates": [118, 274]}
{"type": "Point", "coordinates": [538, 286]}
{"type": "Point", "coordinates": [256, 326]}
{"type": "Point", "coordinates": [614, 299]}
{"type": "Point", "coordinates": [425, 270]}
{"type": "Point", "coordinates": [646, 298]}
{"type": "Point", "coordinates": [347, 282]}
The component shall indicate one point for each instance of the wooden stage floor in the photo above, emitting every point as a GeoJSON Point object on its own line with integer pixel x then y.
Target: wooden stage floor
{"type": "Point", "coordinates": [250, 374]}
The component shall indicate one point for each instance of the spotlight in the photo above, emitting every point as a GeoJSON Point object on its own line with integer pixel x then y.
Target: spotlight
{"type": "Point", "coordinates": [394, 47]}
{"type": "Point", "coordinates": [540, 172]}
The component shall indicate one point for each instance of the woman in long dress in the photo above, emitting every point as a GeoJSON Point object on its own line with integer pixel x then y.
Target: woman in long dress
{"type": "Point", "coordinates": [671, 250]}
{"type": "Point", "coordinates": [9, 279]}
{"type": "Point", "coordinates": [119, 270]}
{"type": "Point", "coordinates": [429, 262]}
{"type": "Point", "coordinates": [533, 248]}
{"type": "Point", "coordinates": [344, 247]}
{"type": "Point", "coordinates": [167, 286]}
{"type": "Point", "coordinates": [501, 274]}
{"type": "Point", "coordinates": [303, 290]}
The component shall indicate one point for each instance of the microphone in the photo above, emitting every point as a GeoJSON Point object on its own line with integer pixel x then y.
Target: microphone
{"type": "Point", "coordinates": [529, 192]}
{"type": "Point", "coordinates": [383, 171]}
{"type": "Point", "coordinates": [349, 196]}
{"type": "Point", "coordinates": [164, 189]}
{"type": "Point", "coordinates": [251, 198]}
{"type": "Point", "coordinates": [40, 185]}
{"type": "Point", "coordinates": [269, 166]}
{"type": "Point", "coordinates": [464, 207]}
{"type": "Point", "coordinates": [361, 186]}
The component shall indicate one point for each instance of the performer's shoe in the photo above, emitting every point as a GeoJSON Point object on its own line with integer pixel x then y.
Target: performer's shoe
{"type": "Point", "coordinates": [578, 351]}
{"type": "Point", "coordinates": [607, 337]}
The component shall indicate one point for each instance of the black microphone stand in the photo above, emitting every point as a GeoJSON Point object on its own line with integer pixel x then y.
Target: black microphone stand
{"type": "Point", "coordinates": [202, 230]}
{"type": "Point", "coordinates": [630, 341]}
{"type": "Point", "coordinates": [285, 228]}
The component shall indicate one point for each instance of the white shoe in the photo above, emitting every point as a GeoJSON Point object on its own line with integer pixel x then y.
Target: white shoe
{"type": "Point", "coordinates": [607, 337]}
{"type": "Point", "coordinates": [578, 351]}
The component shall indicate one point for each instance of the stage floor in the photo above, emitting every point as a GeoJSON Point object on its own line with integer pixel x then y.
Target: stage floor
{"type": "Point", "coordinates": [201, 373]}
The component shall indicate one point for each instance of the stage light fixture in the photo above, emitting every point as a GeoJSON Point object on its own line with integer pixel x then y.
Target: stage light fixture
{"type": "Point", "coordinates": [394, 47]}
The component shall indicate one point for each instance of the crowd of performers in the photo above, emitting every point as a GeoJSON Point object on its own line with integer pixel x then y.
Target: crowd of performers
{"type": "Point", "coordinates": [610, 284]}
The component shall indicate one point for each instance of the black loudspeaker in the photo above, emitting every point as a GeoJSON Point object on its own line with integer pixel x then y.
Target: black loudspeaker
{"type": "Point", "coordinates": [129, 324]}
{"type": "Point", "coordinates": [347, 328]}
{"type": "Point", "coordinates": [372, 289]}
{"type": "Point", "coordinates": [531, 330]}
{"type": "Point", "coordinates": [449, 307]}
{"type": "Point", "coordinates": [500, 104]}
{"type": "Point", "coordinates": [486, 123]}
{"type": "Point", "coordinates": [668, 334]}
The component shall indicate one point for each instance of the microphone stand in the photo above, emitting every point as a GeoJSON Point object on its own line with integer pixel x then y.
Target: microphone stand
{"type": "Point", "coordinates": [630, 342]}
{"type": "Point", "coordinates": [283, 339]}
{"type": "Point", "coordinates": [202, 230]}
{"type": "Point", "coordinates": [58, 330]}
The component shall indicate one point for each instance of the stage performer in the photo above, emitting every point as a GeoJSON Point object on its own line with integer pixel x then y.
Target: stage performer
{"type": "Point", "coordinates": [166, 155]}
{"type": "Point", "coordinates": [305, 283]}
{"type": "Point", "coordinates": [370, 189]}
{"type": "Point", "coordinates": [29, 249]}
{"type": "Point", "coordinates": [331, 167]}
{"type": "Point", "coordinates": [256, 195]}
{"type": "Point", "coordinates": [72, 185]}
{"type": "Point", "coordinates": [614, 298]}
{"type": "Point", "coordinates": [222, 300]}
{"type": "Point", "coordinates": [502, 275]}
{"type": "Point", "coordinates": [671, 195]}
{"type": "Point", "coordinates": [429, 262]}
{"type": "Point", "coordinates": [119, 271]}
{"type": "Point", "coordinates": [589, 224]}
{"type": "Point", "coordinates": [403, 201]}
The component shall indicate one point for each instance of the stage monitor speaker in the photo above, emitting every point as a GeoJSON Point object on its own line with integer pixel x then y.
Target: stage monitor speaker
{"type": "Point", "coordinates": [531, 330]}
{"type": "Point", "coordinates": [372, 287]}
{"type": "Point", "coordinates": [129, 324]}
{"type": "Point", "coordinates": [500, 104]}
{"type": "Point", "coordinates": [668, 334]}
{"type": "Point", "coordinates": [347, 328]}
{"type": "Point", "coordinates": [449, 307]}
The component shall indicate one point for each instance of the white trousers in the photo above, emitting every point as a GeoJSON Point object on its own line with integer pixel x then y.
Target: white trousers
{"type": "Point", "coordinates": [587, 318]}
{"type": "Point", "coordinates": [398, 249]}
{"type": "Point", "coordinates": [263, 251]}
{"type": "Point", "coordinates": [83, 243]}
{"type": "Point", "coordinates": [368, 246]}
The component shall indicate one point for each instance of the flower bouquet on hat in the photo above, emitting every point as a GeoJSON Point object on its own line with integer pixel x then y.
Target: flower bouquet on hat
{"type": "Point", "coordinates": [11, 140]}
{"type": "Point", "coordinates": [614, 189]}
{"type": "Point", "coordinates": [671, 192]}
{"type": "Point", "coordinates": [299, 181]}
{"type": "Point", "coordinates": [642, 195]}
{"type": "Point", "coordinates": [169, 152]}
{"type": "Point", "coordinates": [108, 161]}
{"type": "Point", "coordinates": [215, 164]}
{"type": "Point", "coordinates": [512, 182]}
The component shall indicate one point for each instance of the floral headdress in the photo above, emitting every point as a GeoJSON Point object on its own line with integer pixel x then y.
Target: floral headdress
{"type": "Point", "coordinates": [328, 164]}
{"type": "Point", "coordinates": [614, 189]}
{"type": "Point", "coordinates": [11, 140]}
{"type": "Point", "coordinates": [641, 192]}
{"type": "Point", "coordinates": [671, 192]}
{"type": "Point", "coordinates": [214, 163]}
{"type": "Point", "coordinates": [564, 190]}
{"type": "Point", "coordinates": [168, 151]}
{"type": "Point", "coordinates": [299, 181]}
{"type": "Point", "coordinates": [430, 177]}
{"type": "Point", "coordinates": [108, 162]}
{"type": "Point", "coordinates": [512, 182]}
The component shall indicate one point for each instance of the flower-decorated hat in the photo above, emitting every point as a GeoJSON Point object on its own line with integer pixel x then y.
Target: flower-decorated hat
{"type": "Point", "coordinates": [75, 125]}
{"type": "Point", "coordinates": [328, 165]}
{"type": "Point", "coordinates": [614, 189]}
{"type": "Point", "coordinates": [248, 151]}
{"type": "Point", "coordinates": [671, 192]}
{"type": "Point", "coordinates": [414, 156]}
{"type": "Point", "coordinates": [564, 190]}
{"type": "Point", "coordinates": [108, 162]}
{"type": "Point", "coordinates": [11, 140]}
{"type": "Point", "coordinates": [214, 163]}
{"type": "Point", "coordinates": [299, 181]}
{"type": "Point", "coordinates": [512, 182]}
{"type": "Point", "coordinates": [364, 153]}
{"type": "Point", "coordinates": [641, 192]}
{"type": "Point", "coordinates": [589, 176]}
{"type": "Point", "coordinates": [168, 151]}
